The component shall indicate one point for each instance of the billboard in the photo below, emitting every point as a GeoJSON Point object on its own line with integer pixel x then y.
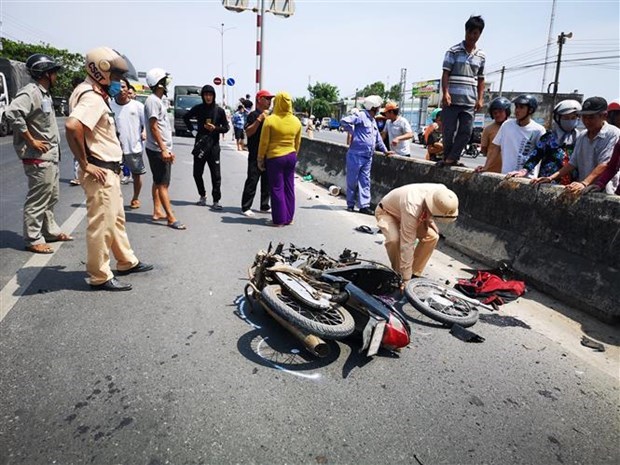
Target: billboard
{"type": "Point", "coordinates": [425, 88]}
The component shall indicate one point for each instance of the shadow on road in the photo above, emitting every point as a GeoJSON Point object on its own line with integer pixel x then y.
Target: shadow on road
{"type": "Point", "coordinates": [52, 279]}
{"type": "Point", "coordinates": [11, 240]}
{"type": "Point", "coordinates": [253, 221]}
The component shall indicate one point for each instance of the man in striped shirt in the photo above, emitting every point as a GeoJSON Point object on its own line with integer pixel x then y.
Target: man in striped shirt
{"type": "Point", "coordinates": [462, 84]}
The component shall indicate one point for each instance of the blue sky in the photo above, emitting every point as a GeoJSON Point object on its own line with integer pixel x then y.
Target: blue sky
{"type": "Point", "coordinates": [346, 43]}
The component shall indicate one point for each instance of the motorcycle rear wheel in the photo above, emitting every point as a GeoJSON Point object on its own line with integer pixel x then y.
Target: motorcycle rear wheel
{"type": "Point", "coordinates": [419, 292]}
{"type": "Point", "coordinates": [333, 323]}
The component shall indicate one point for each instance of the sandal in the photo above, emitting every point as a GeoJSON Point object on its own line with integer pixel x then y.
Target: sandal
{"type": "Point", "coordinates": [62, 237]}
{"type": "Point", "coordinates": [177, 225]}
{"type": "Point", "coordinates": [39, 248]}
{"type": "Point", "coordinates": [135, 203]}
{"type": "Point", "coordinates": [365, 229]}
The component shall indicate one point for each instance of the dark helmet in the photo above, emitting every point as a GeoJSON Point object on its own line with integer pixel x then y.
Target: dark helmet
{"type": "Point", "coordinates": [39, 64]}
{"type": "Point", "coordinates": [500, 103]}
{"type": "Point", "coordinates": [527, 99]}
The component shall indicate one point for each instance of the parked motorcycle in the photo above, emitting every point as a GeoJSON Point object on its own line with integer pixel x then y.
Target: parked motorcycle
{"type": "Point", "coordinates": [472, 150]}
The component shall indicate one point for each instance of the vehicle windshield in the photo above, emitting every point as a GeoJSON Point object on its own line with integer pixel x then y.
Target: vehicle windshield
{"type": "Point", "coordinates": [187, 101]}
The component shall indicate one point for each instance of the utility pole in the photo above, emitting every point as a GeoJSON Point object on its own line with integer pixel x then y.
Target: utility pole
{"type": "Point", "coordinates": [549, 42]}
{"type": "Point", "coordinates": [501, 81]}
{"type": "Point", "coordinates": [403, 83]}
{"type": "Point", "coordinates": [561, 41]}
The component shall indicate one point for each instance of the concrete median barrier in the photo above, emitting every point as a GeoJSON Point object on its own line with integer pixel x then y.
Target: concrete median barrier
{"type": "Point", "coordinates": [566, 246]}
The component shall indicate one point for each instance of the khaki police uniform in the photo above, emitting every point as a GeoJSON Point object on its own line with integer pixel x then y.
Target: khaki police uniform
{"type": "Point", "coordinates": [104, 202]}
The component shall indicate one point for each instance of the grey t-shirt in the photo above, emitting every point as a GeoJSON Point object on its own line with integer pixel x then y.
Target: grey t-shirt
{"type": "Point", "coordinates": [155, 108]}
{"type": "Point", "coordinates": [588, 154]}
{"type": "Point", "coordinates": [395, 129]}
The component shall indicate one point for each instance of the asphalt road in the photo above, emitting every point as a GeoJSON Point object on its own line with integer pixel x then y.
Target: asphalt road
{"type": "Point", "coordinates": [179, 371]}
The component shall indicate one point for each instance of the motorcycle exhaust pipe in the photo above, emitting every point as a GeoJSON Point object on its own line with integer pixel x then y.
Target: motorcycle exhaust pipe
{"type": "Point", "coordinates": [313, 344]}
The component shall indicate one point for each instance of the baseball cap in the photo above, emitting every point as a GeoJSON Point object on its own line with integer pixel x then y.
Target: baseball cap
{"type": "Point", "coordinates": [593, 106]}
{"type": "Point", "coordinates": [613, 106]}
{"type": "Point", "coordinates": [264, 93]}
{"type": "Point", "coordinates": [390, 106]}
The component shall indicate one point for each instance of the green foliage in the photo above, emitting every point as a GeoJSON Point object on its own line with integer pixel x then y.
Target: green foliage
{"type": "Point", "coordinates": [376, 88]}
{"type": "Point", "coordinates": [322, 97]}
{"type": "Point", "coordinates": [301, 104]}
{"type": "Point", "coordinates": [73, 63]}
{"type": "Point", "coordinates": [394, 93]}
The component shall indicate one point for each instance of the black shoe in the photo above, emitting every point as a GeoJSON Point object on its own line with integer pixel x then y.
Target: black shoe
{"type": "Point", "coordinates": [350, 209]}
{"type": "Point", "coordinates": [139, 268]}
{"type": "Point", "coordinates": [367, 211]}
{"type": "Point", "coordinates": [216, 206]}
{"type": "Point", "coordinates": [112, 285]}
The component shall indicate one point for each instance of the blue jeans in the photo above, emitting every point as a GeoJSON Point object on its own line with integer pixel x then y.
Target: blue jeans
{"type": "Point", "coordinates": [458, 123]}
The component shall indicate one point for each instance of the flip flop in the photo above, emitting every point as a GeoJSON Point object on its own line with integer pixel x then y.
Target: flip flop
{"type": "Point", "coordinates": [39, 248]}
{"type": "Point", "coordinates": [177, 225]}
{"type": "Point", "coordinates": [135, 203]}
{"type": "Point", "coordinates": [365, 229]}
{"type": "Point", "coordinates": [62, 237]}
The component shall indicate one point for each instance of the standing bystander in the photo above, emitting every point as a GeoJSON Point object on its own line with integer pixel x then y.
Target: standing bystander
{"type": "Point", "coordinates": [238, 122]}
{"type": "Point", "coordinates": [462, 84]}
{"type": "Point", "coordinates": [211, 121]}
{"type": "Point", "coordinates": [36, 141]}
{"type": "Point", "coordinates": [398, 130]}
{"type": "Point", "coordinates": [253, 128]}
{"type": "Point", "coordinates": [159, 146]}
{"type": "Point", "coordinates": [129, 118]}
{"type": "Point", "coordinates": [91, 134]}
{"type": "Point", "coordinates": [365, 139]}
{"type": "Point", "coordinates": [499, 109]}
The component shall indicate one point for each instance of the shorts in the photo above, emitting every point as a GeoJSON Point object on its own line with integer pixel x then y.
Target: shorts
{"type": "Point", "coordinates": [134, 162]}
{"type": "Point", "coordinates": [160, 169]}
{"type": "Point", "coordinates": [239, 134]}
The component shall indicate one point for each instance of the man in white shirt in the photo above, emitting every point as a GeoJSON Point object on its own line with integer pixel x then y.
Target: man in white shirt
{"type": "Point", "coordinates": [517, 137]}
{"type": "Point", "coordinates": [129, 118]}
{"type": "Point", "coordinates": [398, 130]}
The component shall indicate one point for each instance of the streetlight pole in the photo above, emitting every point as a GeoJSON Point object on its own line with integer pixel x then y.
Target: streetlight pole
{"type": "Point", "coordinates": [222, 31]}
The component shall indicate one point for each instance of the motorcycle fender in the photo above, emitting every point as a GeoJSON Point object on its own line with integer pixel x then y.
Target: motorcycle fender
{"type": "Point", "coordinates": [372, 336]}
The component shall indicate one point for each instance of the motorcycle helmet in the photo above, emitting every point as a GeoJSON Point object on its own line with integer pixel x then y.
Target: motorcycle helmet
{"type": "Point", "coordinates": [613, 106]}
{"type": "Point", "coordinates": [155, 76]}
{"type": "Point", "coordinates": [565, 107]}
{"type": "Point", "coordinates": [102, 61]}
{"type": "Point", "coordinates": [435, 114]}
{"type": "Point", "coordinates": [372, 101]}
{"type": "Point", "coordinates": [443, 205]}
{"type": "Point", "coordinates": [39, 64]}
{"type": "Point", "coordinates": [527, 99]}
{"type": "Point", "coordinates": [500, 103]}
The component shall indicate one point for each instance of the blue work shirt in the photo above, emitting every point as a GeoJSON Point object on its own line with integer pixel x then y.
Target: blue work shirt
{"type": "Point", "coordinates": [366, 137]}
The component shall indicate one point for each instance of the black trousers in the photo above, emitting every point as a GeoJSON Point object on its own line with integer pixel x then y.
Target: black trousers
{"type": "Point", "coordinates": [211, 158]}
{"type": "Point", "coordinates": [249, 190]}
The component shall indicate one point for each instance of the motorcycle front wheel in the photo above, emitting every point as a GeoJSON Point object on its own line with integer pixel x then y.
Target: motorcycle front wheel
{"type": "Point", "coordinates": [333, 323]}
{"type": "Point", "coordinates": [441, 303]}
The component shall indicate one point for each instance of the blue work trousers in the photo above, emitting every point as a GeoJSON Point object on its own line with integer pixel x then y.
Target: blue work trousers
{"type": "Point", "coordinates": [358, 180]}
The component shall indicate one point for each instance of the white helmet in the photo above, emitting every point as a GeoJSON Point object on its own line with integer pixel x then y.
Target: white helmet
{"type": "Point", "coordinates": [443, 205]}
{"type": "Point", "coordinates": [373, 101]}
{"type": "Point", "coordinates": [102, 61]}
{"type": "Point", "coordinates": [566, 107]}
{"type": "Point", "coordinates": [154, 76]}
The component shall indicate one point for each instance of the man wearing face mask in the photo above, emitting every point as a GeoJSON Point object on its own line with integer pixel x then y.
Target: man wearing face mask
{"type": "Point", "coordinates": [36, 142]}
{"type": "Point", "coordinates": [91, 134]}
{"type": "Point", "coordinates": [555, 147]}
{"type": "Point", "coordinates": [406, 217]}
{"type": "Point", "coordinates": [211, 121]}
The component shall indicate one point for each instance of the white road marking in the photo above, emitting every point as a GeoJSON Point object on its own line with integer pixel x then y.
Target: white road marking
{"type": "Point", "coordinates": [15, 288]}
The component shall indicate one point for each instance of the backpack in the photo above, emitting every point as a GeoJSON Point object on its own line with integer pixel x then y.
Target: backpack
{"type": "Point", "coordinates": [490, 288]}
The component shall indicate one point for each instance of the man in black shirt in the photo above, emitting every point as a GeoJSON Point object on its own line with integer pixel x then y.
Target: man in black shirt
{"type": "Point", "coordinates": [211, 121]}
{"type": "Point", "coordinates": [253, 126]}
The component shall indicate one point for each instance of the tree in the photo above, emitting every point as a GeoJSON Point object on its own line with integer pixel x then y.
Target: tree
{"type": "Point", "coordinates": [376, 88]}
{"type": "Point", "coordinates": [322, 97]}
{"type": "Point", "coordinates": [72, 63]}
{"type": "Point", "coordinates": [301, 105]}
{"type": "Point", "coordinates": [394, 93]}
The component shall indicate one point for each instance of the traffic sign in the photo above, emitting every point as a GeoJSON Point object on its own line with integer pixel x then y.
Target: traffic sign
{"type": "Point", "coordinates": [230, 82]}
{"type": "Point", "coordinates": [217, 80]}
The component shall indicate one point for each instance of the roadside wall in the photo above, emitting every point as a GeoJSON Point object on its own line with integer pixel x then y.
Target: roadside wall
{"type": "Point", "coordinates": [566, 246]}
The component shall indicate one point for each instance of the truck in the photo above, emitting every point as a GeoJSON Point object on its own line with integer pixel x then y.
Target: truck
{"type": "Point", "coordinates": [185, 97]}
{"type": "Point", "coordinates": [13, 76]}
